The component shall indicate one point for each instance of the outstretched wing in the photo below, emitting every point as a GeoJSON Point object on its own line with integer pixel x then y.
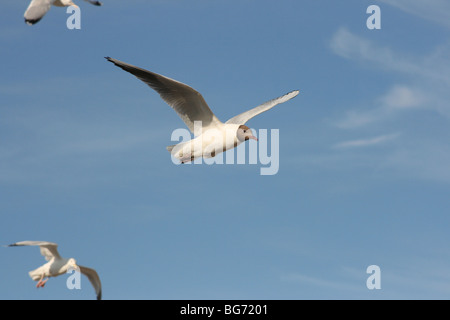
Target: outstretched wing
{"type": "Point", "coordinates": [36, 10]}
{"type": "Point", "coordinates": [48, 249]}
{"type": "Point", "coordinates": [93, 277]}
{"type": "Point", "coordinates": [247, 115]}
{"type": "Point", "coordinates": [187, 102]}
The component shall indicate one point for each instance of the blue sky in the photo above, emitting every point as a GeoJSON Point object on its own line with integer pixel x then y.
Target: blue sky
{"type": "Point", "coordinates": [364, 173]}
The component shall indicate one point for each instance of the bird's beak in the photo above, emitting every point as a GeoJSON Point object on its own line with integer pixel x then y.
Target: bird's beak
{"type": "Point", "coordinates": [253, 137]}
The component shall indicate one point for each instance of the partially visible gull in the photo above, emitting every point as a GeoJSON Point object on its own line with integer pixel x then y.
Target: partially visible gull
{"type": "Point", "coordinates": [57, 266]}
{"type": "Point", "coordinates": [38, 8]}
{"type": "Point", "coordinates": [212, 135]}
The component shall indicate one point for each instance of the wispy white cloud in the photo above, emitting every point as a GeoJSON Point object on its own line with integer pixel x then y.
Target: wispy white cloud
{"type": "Point", "coordinates": [399, 98]}
{"type": "Point", "coordinates": [355, 118]}
{"type": "Point", "coordinates": [434, 10]}
{"type": "Point", "coordinates": [366, 142]}
{"type": "Point", "coordinates": [348, 45]}
{"type": "Point", "coordinates": [435, 66]}
{"type": "Point", "coordinates": [402, 97]}
{"type": "Point", "coordinates": [424, 89]}
{"type": "Point", "coordinates": [321, 283]}
{"type": "Point", "coordinates": [428, 77]}
{"type": "Point", "coordinates": [407, 278]}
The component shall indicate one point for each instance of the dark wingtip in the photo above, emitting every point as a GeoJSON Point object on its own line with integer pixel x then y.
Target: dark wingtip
{"type": "Point", "coordinates": [99, 296]}
{"type": "Point", "coordinates": [114, 61]}
{"type": "Point", "coordinates": [31, 22]}
{"type": "Point", "coordinates": [11, 245]}
{"type": "Point", "coordinates": [95, 3]}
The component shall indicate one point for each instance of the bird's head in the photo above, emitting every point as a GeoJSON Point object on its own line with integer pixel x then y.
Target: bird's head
{"type": "Point", "coordinates": [244, 133]}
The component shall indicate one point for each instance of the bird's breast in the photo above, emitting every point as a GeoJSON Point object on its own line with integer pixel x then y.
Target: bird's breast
{"type": "Point", "coordinates": [212, 142]}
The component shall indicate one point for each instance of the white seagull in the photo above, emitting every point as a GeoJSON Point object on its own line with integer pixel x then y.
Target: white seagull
{"type": "Point", "coordinates": [38, 8]}
{"type": "Point", "coordinates": [57, 266]}
{"type": "Point", "coordinates": [211, 135]}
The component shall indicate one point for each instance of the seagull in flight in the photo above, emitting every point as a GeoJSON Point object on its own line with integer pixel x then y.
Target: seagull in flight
{"type": "Point", "coordinates": [38, 8]}
{"type": "Point", "coordinates": [211, 135]}
{"type": "Point", "coordinates": [57, 266]}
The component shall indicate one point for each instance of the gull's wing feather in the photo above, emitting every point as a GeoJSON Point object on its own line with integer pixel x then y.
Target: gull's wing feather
{"type": "Point", "coordinates": [247, 115]}
{"type": "Point", "coordinates": [36, 10]}
{"type": "Point", "coordinates": [187, 102]}
{"type": "Point", "coordinates": [95, 3]}
{"type": "Point", "coordinates": [94, 279]}
{"type": "Point", "coordinates": [48, 249]}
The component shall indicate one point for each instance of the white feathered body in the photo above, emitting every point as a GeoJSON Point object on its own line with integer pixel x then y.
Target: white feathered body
{"type": "Point", "coordinates": [53, 268]}
{"type": "Point", "coordinates": [210, 143]}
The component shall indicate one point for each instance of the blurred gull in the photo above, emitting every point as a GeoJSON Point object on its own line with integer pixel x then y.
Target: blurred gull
{"type": "Point", "coordinates": [38, 8]}
{"type": "Point", "coordinates": [57, 266]}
